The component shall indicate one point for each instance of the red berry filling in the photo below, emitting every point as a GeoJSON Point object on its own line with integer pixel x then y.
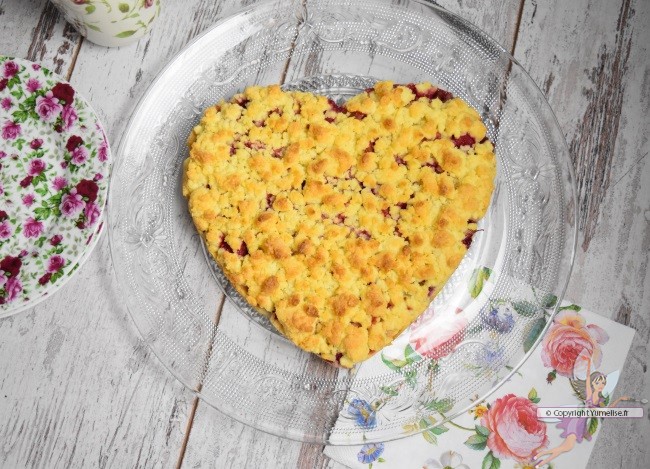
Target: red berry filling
{"type": "Point", "coordinates": [467, 240]}
{"type": "Point", "coordinates": [243, 249]}
{"type": "Point", "coordinates": [243, 102]}
{"type": "Point", "coordinates": [431, 291]}
{"type": "Point", "coordinates": [270, 198]}
{"type": "Point", "coordinates": [431, 93]}
{"type": "Point", "coordinates": [363, 234]}
{"type": "Point", "coordinates": [464, 140]}
{"type": "Point", "coordinates": [400, 161]}
{"type": "Point", "coordinates": [442, 95]}
{"type": "Point", "coordinates": [335, 107]}
{"type": "Point", "coordinates": [435, 165]}
{"type": "Point", "coordinates": [224, 245]}
{"type": "Point", "coordinates": [255, 145]}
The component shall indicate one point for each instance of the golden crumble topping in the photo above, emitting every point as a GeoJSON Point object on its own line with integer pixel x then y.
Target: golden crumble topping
{"type": "Point", "coordinates": [340, 223]}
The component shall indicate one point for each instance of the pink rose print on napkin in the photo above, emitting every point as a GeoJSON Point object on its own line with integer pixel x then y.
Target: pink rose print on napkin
{"type": "Point", "coordinates": [148, 3]}
{"type": "Point", "coordinates": [567, 338]}
{"type": "Point", "coordinates": [3, 84]}
{"type": "Point", "coordinates": [56, 240]}
{"type": "Point", "coordinates": [48, 107]}
{"type": "Point", "coordinates": [32, 228]}
{"type": "Point", "coordinates": [515, 432]}
{"type": "Point", "coordinates": [437, 339]}
{"type": "Point", "coordinates": [36, 143]}
{"type": "Point", "coordinates": [10, 69]}
{"type": "Point", "coordinates": [11, 130]}
{"type": "Point", "coordinates": [71, 204]}
{"type": "Point", "coordinates": [6, 103]}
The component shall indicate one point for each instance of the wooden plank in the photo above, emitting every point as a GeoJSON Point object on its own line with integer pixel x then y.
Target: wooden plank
{"type": "Point", "coordinates": [79, 389]}
{"type": "Point", "coordinates": [36, 31]}
{"type": "Point", "coordinates": [591, 59]}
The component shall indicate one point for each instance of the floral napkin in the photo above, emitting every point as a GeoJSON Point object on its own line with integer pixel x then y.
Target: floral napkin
{"type": "Point", "coordinates": [505, 431]}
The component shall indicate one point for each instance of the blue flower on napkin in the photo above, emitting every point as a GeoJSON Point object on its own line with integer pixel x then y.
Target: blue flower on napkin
{"type": "Point", "coordinates": [370, 453]}
{"type": "Point", "coordinates": [491, 356]}
{"type": "Point", "coordinates": [500, 318]}
{"type": "Point", "coordinates": [363, 413]}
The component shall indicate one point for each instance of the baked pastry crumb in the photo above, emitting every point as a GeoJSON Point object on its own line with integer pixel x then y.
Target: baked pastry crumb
{"type": "Point", "coordinates": [340, 223]}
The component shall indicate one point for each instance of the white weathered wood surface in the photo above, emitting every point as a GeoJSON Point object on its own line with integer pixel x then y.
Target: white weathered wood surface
{"type": "Point", "coordinates": [78, 389]}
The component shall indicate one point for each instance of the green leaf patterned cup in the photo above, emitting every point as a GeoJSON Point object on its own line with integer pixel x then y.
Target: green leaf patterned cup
{"type": "Point", "coordinates": [110, 23]}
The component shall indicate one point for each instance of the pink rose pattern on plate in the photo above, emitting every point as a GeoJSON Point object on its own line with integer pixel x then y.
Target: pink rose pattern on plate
{"type": "Point", "coordinates": [54, 163]}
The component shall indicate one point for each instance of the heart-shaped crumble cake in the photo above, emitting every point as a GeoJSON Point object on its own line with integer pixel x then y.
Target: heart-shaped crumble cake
{"type": "Point", "coordinates": [340, 223]}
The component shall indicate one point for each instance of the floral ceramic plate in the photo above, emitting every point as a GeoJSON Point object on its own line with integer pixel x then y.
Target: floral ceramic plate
{"type": "Point", "coordinates": [54, 165]}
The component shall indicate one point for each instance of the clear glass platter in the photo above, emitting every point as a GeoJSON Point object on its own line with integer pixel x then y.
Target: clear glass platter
{"type": "Point", "coordinates": [478, 330]}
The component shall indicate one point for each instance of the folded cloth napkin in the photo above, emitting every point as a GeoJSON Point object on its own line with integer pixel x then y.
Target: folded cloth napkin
{"type": "Point", "coordinates": [504, 431]}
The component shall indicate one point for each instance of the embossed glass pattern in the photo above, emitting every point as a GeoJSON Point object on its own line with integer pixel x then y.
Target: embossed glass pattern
{"type": "Point", "coordinates": [242, 367]}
